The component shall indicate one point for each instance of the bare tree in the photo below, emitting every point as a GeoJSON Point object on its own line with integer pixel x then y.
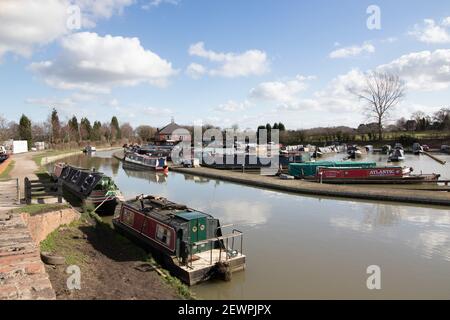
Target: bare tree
{"type": "Point", "coordinates": [3, 129]}
{"type": "Point", "coordinates": [381, 93]}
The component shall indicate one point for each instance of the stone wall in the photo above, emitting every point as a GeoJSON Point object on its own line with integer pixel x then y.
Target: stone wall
{"type": "Point", "coordinates": [22, 273]}
{"type": "Point", "coordinates": [41, 225]}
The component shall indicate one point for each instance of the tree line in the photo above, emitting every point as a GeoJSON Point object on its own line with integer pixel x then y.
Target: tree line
{"type": "Point", "coordinates": [73, 131]}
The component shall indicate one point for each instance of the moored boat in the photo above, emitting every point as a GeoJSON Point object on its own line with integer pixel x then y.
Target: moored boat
{"type": "Point", "coordinates": [191, 243]}
{"type": "Point", "coordinates": [90, 186]}
{"type": "Point", "coordinates": [417, 148]}
{"type": "Point", "coordinates": [376, 175]}
{"type": "Point", "coordinates": [142, 161]}
{"type": "Point", "coordinates": [355, 152]}
{"type": "Point", "coordinates": [3, 154]}
{"type": "Point", "coordinates": [397, 154]}
{"type": "Point", "coordinates": [386, 149]}
{"type": "Point", "coordinates": [89, 149]}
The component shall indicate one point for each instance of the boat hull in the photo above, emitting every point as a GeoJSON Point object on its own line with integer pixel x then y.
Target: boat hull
{"type": "Point", "coordinates": [386, 175]}
{"type": "Point", "coordinates": [188, 276]}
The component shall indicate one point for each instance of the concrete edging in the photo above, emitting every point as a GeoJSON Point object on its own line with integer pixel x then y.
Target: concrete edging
{"type": "Point", "coordinates": [311, 188]}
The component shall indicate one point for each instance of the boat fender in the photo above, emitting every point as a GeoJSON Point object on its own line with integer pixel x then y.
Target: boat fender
{"type": "Point", "coordinates": [222, 271]}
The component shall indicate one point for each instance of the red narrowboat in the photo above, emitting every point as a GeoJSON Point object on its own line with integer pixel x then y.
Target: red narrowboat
{"type": "Point", "coordinates": [191, 243]}
{"type": "Point", "coordinates": [375, 175]}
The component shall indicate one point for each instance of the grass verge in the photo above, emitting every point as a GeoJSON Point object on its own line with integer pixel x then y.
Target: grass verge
{"type": "Point", "coordinates": [7, 171]}
{"type": "Point", "coordinates": [49, 153]}
{"type": "Point", "coordinates": [182, 289]}
{"type": "Point", "coordinates": [33, 209]}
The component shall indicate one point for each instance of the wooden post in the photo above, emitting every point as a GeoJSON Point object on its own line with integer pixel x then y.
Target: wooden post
{"type": "Point", "coordinates": [27, 191]}
{"type": "Point", "coordinates": [60, 191]}
{"type": "Point", "coordinates": [18, 190]}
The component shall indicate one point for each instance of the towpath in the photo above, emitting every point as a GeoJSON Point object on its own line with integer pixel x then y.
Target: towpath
{"type": "Point", "coordinates": [22, 273]}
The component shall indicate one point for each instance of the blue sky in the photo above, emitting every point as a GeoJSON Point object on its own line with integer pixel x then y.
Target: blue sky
{"type": "Point", "coordinates": [221, 62]}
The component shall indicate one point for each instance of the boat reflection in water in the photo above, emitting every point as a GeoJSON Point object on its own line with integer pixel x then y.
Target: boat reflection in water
{"type": "Point", "coordinates": [152, 176]}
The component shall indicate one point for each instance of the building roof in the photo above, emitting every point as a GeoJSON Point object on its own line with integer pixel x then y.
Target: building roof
{"type": "Point", "coordinates": [168, 129]}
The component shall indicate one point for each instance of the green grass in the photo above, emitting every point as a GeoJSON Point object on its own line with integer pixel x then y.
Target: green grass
{"type": "Point", "coordinates": [49, 244]}
{"type": "Point", "coordinates": [62, 243]}
{"type": "Point", "coordinates": [182, 289]}
{"type": "Point", "coordinates": [49, 153]}
{"type": "Point", "coordinates": [5, 174]}
{"type": "Point", "coordinates": [33, 209]}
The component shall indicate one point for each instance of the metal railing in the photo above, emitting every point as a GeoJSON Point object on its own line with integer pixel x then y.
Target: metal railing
{"type": "Point", "coordinates": [224, 246]}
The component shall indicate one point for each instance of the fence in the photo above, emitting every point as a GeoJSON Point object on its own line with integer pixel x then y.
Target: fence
{"type": "Point", "coordinates": [40, 190]}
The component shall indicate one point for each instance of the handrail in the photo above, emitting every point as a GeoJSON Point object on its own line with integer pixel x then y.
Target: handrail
{"type": "Point", "coordinates": [235, 233]}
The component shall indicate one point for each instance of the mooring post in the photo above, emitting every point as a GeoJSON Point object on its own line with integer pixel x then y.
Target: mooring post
{"type": "Point", "coordinates": [60, 191]}
{"type": "Point", "coordinates": [18, 190]}
{"type": "Point", "coordinates": [27, 191]}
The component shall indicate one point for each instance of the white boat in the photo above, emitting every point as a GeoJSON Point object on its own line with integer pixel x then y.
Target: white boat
{"type": "Point", "coordinates": [90, 149]}
{"type": "Point", "coordinates": [397, 154]}
{"type": "Point", "coordinates": [141, 161]}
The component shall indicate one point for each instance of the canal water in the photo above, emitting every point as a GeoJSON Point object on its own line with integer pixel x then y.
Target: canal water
{"type": "Point", "coordinates": [301, 247]}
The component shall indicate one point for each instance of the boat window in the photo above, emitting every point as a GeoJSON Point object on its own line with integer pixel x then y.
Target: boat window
{"type": "Point", "coordinates": [89, 181]}
{"type": "Point", "coordinates": [76, 176]}
{"type": "Point", "coordinates": [162, 234]}
{"type": "Point", "coordinates": [67, 173]}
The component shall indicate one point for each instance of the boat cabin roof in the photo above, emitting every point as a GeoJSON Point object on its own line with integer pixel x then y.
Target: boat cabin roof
{"type": "Point", "coordinates": [191, 215]}
{"type": "Point", "coordinates": [165, 210]}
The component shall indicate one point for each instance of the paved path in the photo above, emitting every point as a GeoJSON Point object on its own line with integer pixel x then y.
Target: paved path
{"type": "Point", "coordinates": [22, 273]}
{"type": "Point", "coordinates": [24, 167]}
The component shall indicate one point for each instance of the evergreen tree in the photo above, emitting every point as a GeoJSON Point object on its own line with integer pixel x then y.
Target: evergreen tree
{"type": "Point", "coordinates": [74, 128]}
{"type": "Point", "coordinates": [56, 126]}
{"type": "Point", "coordinates": [25, 130]}
{"type": "Point", "coordinates": [96, 131]}
{"type": "Point", "coordinates": [85, 129]}
{"type": "Point", "coordinates": [115, 129]}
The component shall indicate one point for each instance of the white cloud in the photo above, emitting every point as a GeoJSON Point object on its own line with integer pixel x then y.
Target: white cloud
{"type": "Point", "coordinates": [157, 3]}
{"type": "Point", "coordinates": [27, 24]}
{"type": "Point", "coordinates": [100, 9]}
{"type": "Point", "coordinates": [51, 102]}
{"type": "Point", "coordinates": [93, 63]}
{"type": "Point", "coordinates": [156, 112]}
{"type": "Point", "coordinates": [195, 70]}
{"type": "Point", "coordinates": [425, 70]}
{"type": "Point", "coordinates": [389, 40]}
{"type": "Point", "coordinates": [352, 51]}
{"type": "Point", "coordinates": [432, 32]}
{"type": "Point", "coordinates": [251, 62]}
{"type": "Point", "coordinates": [232, 106]}
{"type": "Point", "coordinates": [285, 92]}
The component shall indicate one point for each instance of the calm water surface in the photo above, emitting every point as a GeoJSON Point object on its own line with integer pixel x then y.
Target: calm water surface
{"type": "Point", "coordinates": [301, 247]}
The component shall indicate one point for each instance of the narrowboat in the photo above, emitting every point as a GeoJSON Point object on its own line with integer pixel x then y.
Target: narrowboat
{"type": "Point", "coordinates": [89, 186]}
{"type": "Point", "coordinates": [417, 148]}
{"type": "Point", "coordinates": [397, 154]}
{"type": "Point", "coordinates": [154, 150]}
{"type": "Point", "coordinates": [3, 157]}
{"type": "Point", "coordinates": [376, 175]}
{"type": "Point", "coordinates": [321, 151]}
{"type": "Point", "coordinates": [309, 169]}
{"type": "Point", "coordinates": [89, 149]}
{"type": "Point", "coordinates": [386, 149]}
{"type": "Point", "coordinates": [142, 161]}
{"type": "Point", "coordinates": [3, 154]}
{"type": "Point", "coordinates": [355, 152]}
{"type": "Point", "coordinates": [191, 243]}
